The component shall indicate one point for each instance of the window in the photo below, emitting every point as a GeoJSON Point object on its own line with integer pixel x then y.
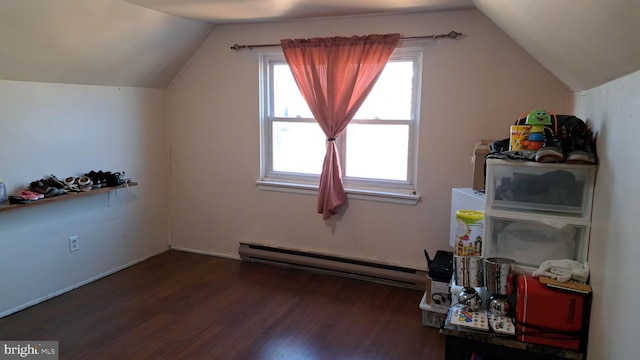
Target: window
{"type": "Point", "coordinates": [377, 150]}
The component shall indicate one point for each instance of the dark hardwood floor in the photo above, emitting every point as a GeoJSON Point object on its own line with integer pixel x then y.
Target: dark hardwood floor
{"type": "Point", "coordinates": [180, 305]}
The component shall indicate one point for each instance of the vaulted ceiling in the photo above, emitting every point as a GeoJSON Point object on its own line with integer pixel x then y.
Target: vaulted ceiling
{"type": "Point", "coordinates": [144, 43]}
{"type": "Point", "coordinates": [224, 11]}
{"type": "Point", "coordinates": [95, 42]}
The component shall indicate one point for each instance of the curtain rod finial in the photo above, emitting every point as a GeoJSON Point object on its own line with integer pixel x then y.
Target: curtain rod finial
{"type": "Point", "coordinates": [454, 34]}
{"type": "Point", "coordinates": [236, 47]}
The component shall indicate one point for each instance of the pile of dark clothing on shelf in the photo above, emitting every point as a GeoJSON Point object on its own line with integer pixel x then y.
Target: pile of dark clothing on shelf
{"type": "Point", "coordinates": [557, 187]}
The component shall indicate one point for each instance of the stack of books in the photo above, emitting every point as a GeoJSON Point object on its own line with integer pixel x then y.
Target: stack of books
{"type": "Point", "coordinates": [481, 320]}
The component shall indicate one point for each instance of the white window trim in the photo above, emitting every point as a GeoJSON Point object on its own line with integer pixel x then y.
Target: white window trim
{"type": "Point", "coordinates": [392, 196]}
{"type": "Point", "coordinates": [394, 192]}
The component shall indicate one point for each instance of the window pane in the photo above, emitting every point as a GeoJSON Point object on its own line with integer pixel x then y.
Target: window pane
{"type": "Point", "coordinates": [374, 150]}
{"type": "Point", "coordinates": [391, 96]}
{"type": "Point", "coordinates": [287, 99]}
{"type": "Point", "coordinates": [298, 147]}
{"type": "Point", "coordinates": [377, 151]}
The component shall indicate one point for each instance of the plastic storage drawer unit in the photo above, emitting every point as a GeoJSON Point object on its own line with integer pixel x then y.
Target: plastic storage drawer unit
{"type": "Point", "coordinates": [530, 186]}
{"type": "Point", "coordinates": [530, 239]}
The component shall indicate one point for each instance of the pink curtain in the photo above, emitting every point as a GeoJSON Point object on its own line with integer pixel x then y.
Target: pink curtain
{"type": "Point", "coordinates": [335, 75]}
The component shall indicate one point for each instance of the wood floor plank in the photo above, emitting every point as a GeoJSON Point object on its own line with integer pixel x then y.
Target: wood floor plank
{"type": "Point", "coordinates": [180, 305]}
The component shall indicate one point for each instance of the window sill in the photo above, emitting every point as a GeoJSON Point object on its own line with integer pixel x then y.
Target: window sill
{"type": "Point", "coordinates": [360, 194]}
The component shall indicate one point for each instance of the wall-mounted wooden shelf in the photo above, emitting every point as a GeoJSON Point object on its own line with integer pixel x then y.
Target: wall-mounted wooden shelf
{"type": "Point", "coordinates": [6, 206]}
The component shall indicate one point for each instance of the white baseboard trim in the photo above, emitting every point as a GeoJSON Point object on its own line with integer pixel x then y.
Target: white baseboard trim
{"type": "Point", "coordinates": [75, 286]}
{"type": "Point", "coordinates": [202, 252]}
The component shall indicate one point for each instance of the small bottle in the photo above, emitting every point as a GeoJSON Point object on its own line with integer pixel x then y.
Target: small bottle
{"type": "Point", "coordinates": [3, 192]}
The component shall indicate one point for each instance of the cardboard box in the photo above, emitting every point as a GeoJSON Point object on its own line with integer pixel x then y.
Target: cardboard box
{"type": "Point", "coordinates": [480, 152]}
{"type": "Point", "coordinates": [438, 295]}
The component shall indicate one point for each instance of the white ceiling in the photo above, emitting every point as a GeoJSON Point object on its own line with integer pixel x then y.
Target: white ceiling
{"type": "Point", "coordinates": [95, 42]}
{"type": "Point", "coordinates": [583, 43]}
{"type": "Point", "coordinates": [225, 11]}
{"type": "Point", "coordinates": [144, 43]}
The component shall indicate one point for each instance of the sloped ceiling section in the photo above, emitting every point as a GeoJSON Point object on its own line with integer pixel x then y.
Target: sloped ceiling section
{"type": "Point", "coordinates": [145, 43]}
{"type": "Point", "coordinates": [583, 43]}
{"type": "Point", "coordinates": [96, 42]}
{"type": "Point", "coordinates": [237, 11]}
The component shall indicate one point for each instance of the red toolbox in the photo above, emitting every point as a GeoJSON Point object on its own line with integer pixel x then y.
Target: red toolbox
{"type": "Point", "coordinates": [548, 316]}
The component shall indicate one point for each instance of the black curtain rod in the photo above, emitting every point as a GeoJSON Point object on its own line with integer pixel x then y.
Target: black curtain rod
{"type": "Point", "coordinates": [450, 35]}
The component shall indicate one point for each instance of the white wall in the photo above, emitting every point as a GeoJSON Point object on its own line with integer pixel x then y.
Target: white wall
{"type": "Point", "coordinates": [68, 130]}
{"type": "Point", "coordinates": [473, 88]}
{"type": "Point", "coordinates": [613, 110]}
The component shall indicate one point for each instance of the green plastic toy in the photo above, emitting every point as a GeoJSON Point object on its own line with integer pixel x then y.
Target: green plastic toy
{"type": "Point", "coordinates": [538, 119]}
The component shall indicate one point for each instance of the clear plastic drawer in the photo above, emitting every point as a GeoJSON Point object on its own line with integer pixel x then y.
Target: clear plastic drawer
{"type": "Point", "coordinates": [564, 189]}
{"type": "Point", "coordinates": [530, 240]}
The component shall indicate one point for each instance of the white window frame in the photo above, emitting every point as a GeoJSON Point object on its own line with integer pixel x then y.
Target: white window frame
{"type": "Point", "coordinates": [402, 192]}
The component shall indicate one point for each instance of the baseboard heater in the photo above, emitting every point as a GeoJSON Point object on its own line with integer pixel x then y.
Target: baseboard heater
{"type": "Point", "coordinates": [361, 269]}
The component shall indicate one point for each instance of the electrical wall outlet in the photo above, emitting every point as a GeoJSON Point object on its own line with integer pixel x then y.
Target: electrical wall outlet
{"type": "Point", "coordinates": [74, 243]}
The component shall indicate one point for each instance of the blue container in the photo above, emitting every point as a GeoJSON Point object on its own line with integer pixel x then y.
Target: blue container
{"type": "Point", "coordinates": [536, 136]}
